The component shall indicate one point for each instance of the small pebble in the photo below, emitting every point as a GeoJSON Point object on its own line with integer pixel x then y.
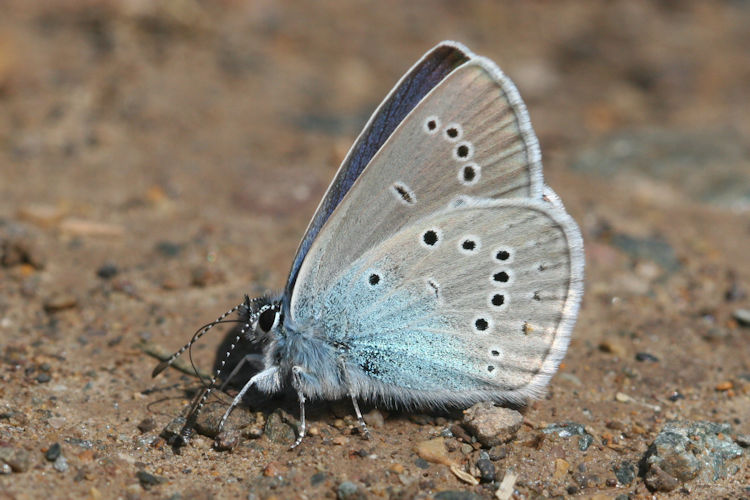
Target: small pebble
{"type": "Point", "coordinates": [340, 440]}
{"type": "Point", "coordinates": [374, 418]}
{"type": "Point", "coordinates": [53, 452]}
{"type": "Point", "coordinates": [724, 386]}
{"type": "Point", "coordinates": [81, 227]}
{"type": "Point", "coordinates": [148, 480]}
{"type": "Point", "coordinates": [61, 464]}
{"type": "Point", "coordinates": [460, 433]}
{"type": "Point", "coordinates": [318, 478]}
{"type": "Point", "coordinates": [168, 248]}
{"type": "Point", "coordinates": [107, 271]}
{"type": "Point", "coordinates": [397, 468]}
{"type": "Point", "coordinates": [43, 378]}
{"type": "Point", "coordinates": [226, 440]}
{"type": "Point", "coordinates": [742, 316]}
{"type": "Point", "coordinates": [613, 346]}
{"type": "Point", "coordinates": [274, 469]}
{"type": "Point", "coordinates": [625, 472]}
{"type": "Point", "coordinates": [486, 471]}
{"type": "Point", "coordinates": [18, 459]}
{"type": "Point", "coordinates": [743, 440]}
{"type": "Point", "coordinates": [347, 490]}
{"type": "Point", "coordinates": [492, 425]}
{"type": "Point", "coordinates": [561, 469]}
{"type": "Point", "coordinates": [498, 453]}
{"type": "Point", "coordinates": [59, 302]}
{"type": "Point", "coordinates": [147, 425]}
{"type": "Point", "coordinates": [658, 480]}
{"type": "Point", "coordinates": [676, 396]}
{"type": "Point", "coordinates": [433, 450]}
{"type": "Point", "coordinates": [644, 356]}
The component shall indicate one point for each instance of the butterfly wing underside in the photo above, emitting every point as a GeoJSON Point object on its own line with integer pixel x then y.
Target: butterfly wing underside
{"type": "Point", "coordinates": [448, 272]}
{"type": "Point", "coordinates": [484, 310]}
{"type": "Point", "coordinates": [428, 72]}
{"type": "Point", "coordinates": [470, 136]}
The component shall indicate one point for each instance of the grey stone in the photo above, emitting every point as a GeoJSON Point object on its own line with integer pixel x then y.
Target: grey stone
{"type": "Point", "coordinates": [277, 430]}
{"type": "Point", "coordinates": [742, 316]}
{"type": "Point", "coordinates": [349, 491]}
{"type": "Point", "coordinates": [492, 425]}
{"type": "Point", "coordinates": [624, 472]}
{"type": "Point", "coordinates": [688, 451]}
{"type": "Point", "coordinates": [53, 452]}
{"type": "Point", "coordinates": [456, 495]}
{"type": "Point", "coordinates": [570, 429]}
{"type": "Point", "coordinates": [658, 480]}
{"type": "Point", "coordinates": [17, 459]}
{"type": "Point", "coordinates": [61, 464]}
{"type": "Point", "coordinates": [486, 470]}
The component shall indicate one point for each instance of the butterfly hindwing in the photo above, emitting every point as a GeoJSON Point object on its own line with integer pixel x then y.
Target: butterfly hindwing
{"type": "Point", "coordinates": [469, 303]}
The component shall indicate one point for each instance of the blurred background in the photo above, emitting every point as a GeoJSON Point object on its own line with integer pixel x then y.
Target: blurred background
{"type": "Point", "coordinates": [160, 159]}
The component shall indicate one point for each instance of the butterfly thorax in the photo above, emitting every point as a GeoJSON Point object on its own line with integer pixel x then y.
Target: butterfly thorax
{"type": "Point", "coordinates": [309, 362]}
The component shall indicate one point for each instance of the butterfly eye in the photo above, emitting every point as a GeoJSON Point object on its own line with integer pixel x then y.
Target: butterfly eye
{"type": "Point", "coordinates": [268, 319]}
{"type": "Point", "coordinates": [374, 279]}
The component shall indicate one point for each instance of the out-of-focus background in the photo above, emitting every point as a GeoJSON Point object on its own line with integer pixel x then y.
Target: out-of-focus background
{"type": "Point", "coordinates": [160, 159]}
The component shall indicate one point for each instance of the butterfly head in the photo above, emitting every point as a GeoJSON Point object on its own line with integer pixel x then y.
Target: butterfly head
{"type": "Point", "coordinates": [262, 317]}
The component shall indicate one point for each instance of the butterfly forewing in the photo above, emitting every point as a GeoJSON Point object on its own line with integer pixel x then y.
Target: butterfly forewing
{"type": "Point", "coordinates": [482, 310]}
{"type": "Point", "coordinates": [427, 73]}
{"type": "Point", "coordinates": [469, 136]}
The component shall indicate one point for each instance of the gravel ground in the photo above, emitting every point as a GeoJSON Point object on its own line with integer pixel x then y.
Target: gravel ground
{"type": "Point", "coordinates": [160, 159]}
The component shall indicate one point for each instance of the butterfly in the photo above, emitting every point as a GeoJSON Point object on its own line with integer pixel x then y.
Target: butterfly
{"type": "Point", "coordinates": [438, 270]}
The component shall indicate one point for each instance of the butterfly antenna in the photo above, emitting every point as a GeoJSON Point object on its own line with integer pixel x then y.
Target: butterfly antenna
{"type": "Point", "coordinates": [192, 417]}
{"type": "Point", "coordinates": [200, 333]}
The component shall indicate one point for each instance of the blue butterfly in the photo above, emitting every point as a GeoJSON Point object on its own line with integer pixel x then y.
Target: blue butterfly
{"type": "Point", "coordinates": [439, 269]}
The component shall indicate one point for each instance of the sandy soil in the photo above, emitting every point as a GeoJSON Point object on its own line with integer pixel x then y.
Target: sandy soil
{"type": "Point", "coordinates": [157, 162]}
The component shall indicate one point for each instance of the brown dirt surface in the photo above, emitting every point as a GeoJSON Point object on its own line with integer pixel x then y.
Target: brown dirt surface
{"type": "Point", "coordinates": [160, 159]}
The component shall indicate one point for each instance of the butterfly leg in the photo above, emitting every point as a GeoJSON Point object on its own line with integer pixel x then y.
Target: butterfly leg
{"type": "Point", "coordinates": [296, 372]}
{"type": "Point", "coordinates": [360, 420]}
{"type": "Point", "coordinates": [362, 424]}
{"type": "Point", "coordinates": [261, 380]}
{"type": "Point", "coordinates": [252, 359]}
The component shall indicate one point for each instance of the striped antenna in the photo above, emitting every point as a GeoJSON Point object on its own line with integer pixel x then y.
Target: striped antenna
{"type": "Point", "coordinates": [192, 417]}
{"type": "Point", "coordinates": [200, 333]}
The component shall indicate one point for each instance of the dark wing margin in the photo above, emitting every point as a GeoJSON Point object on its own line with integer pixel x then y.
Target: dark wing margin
{"type": "Point", "coordinates": [420, 80]}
